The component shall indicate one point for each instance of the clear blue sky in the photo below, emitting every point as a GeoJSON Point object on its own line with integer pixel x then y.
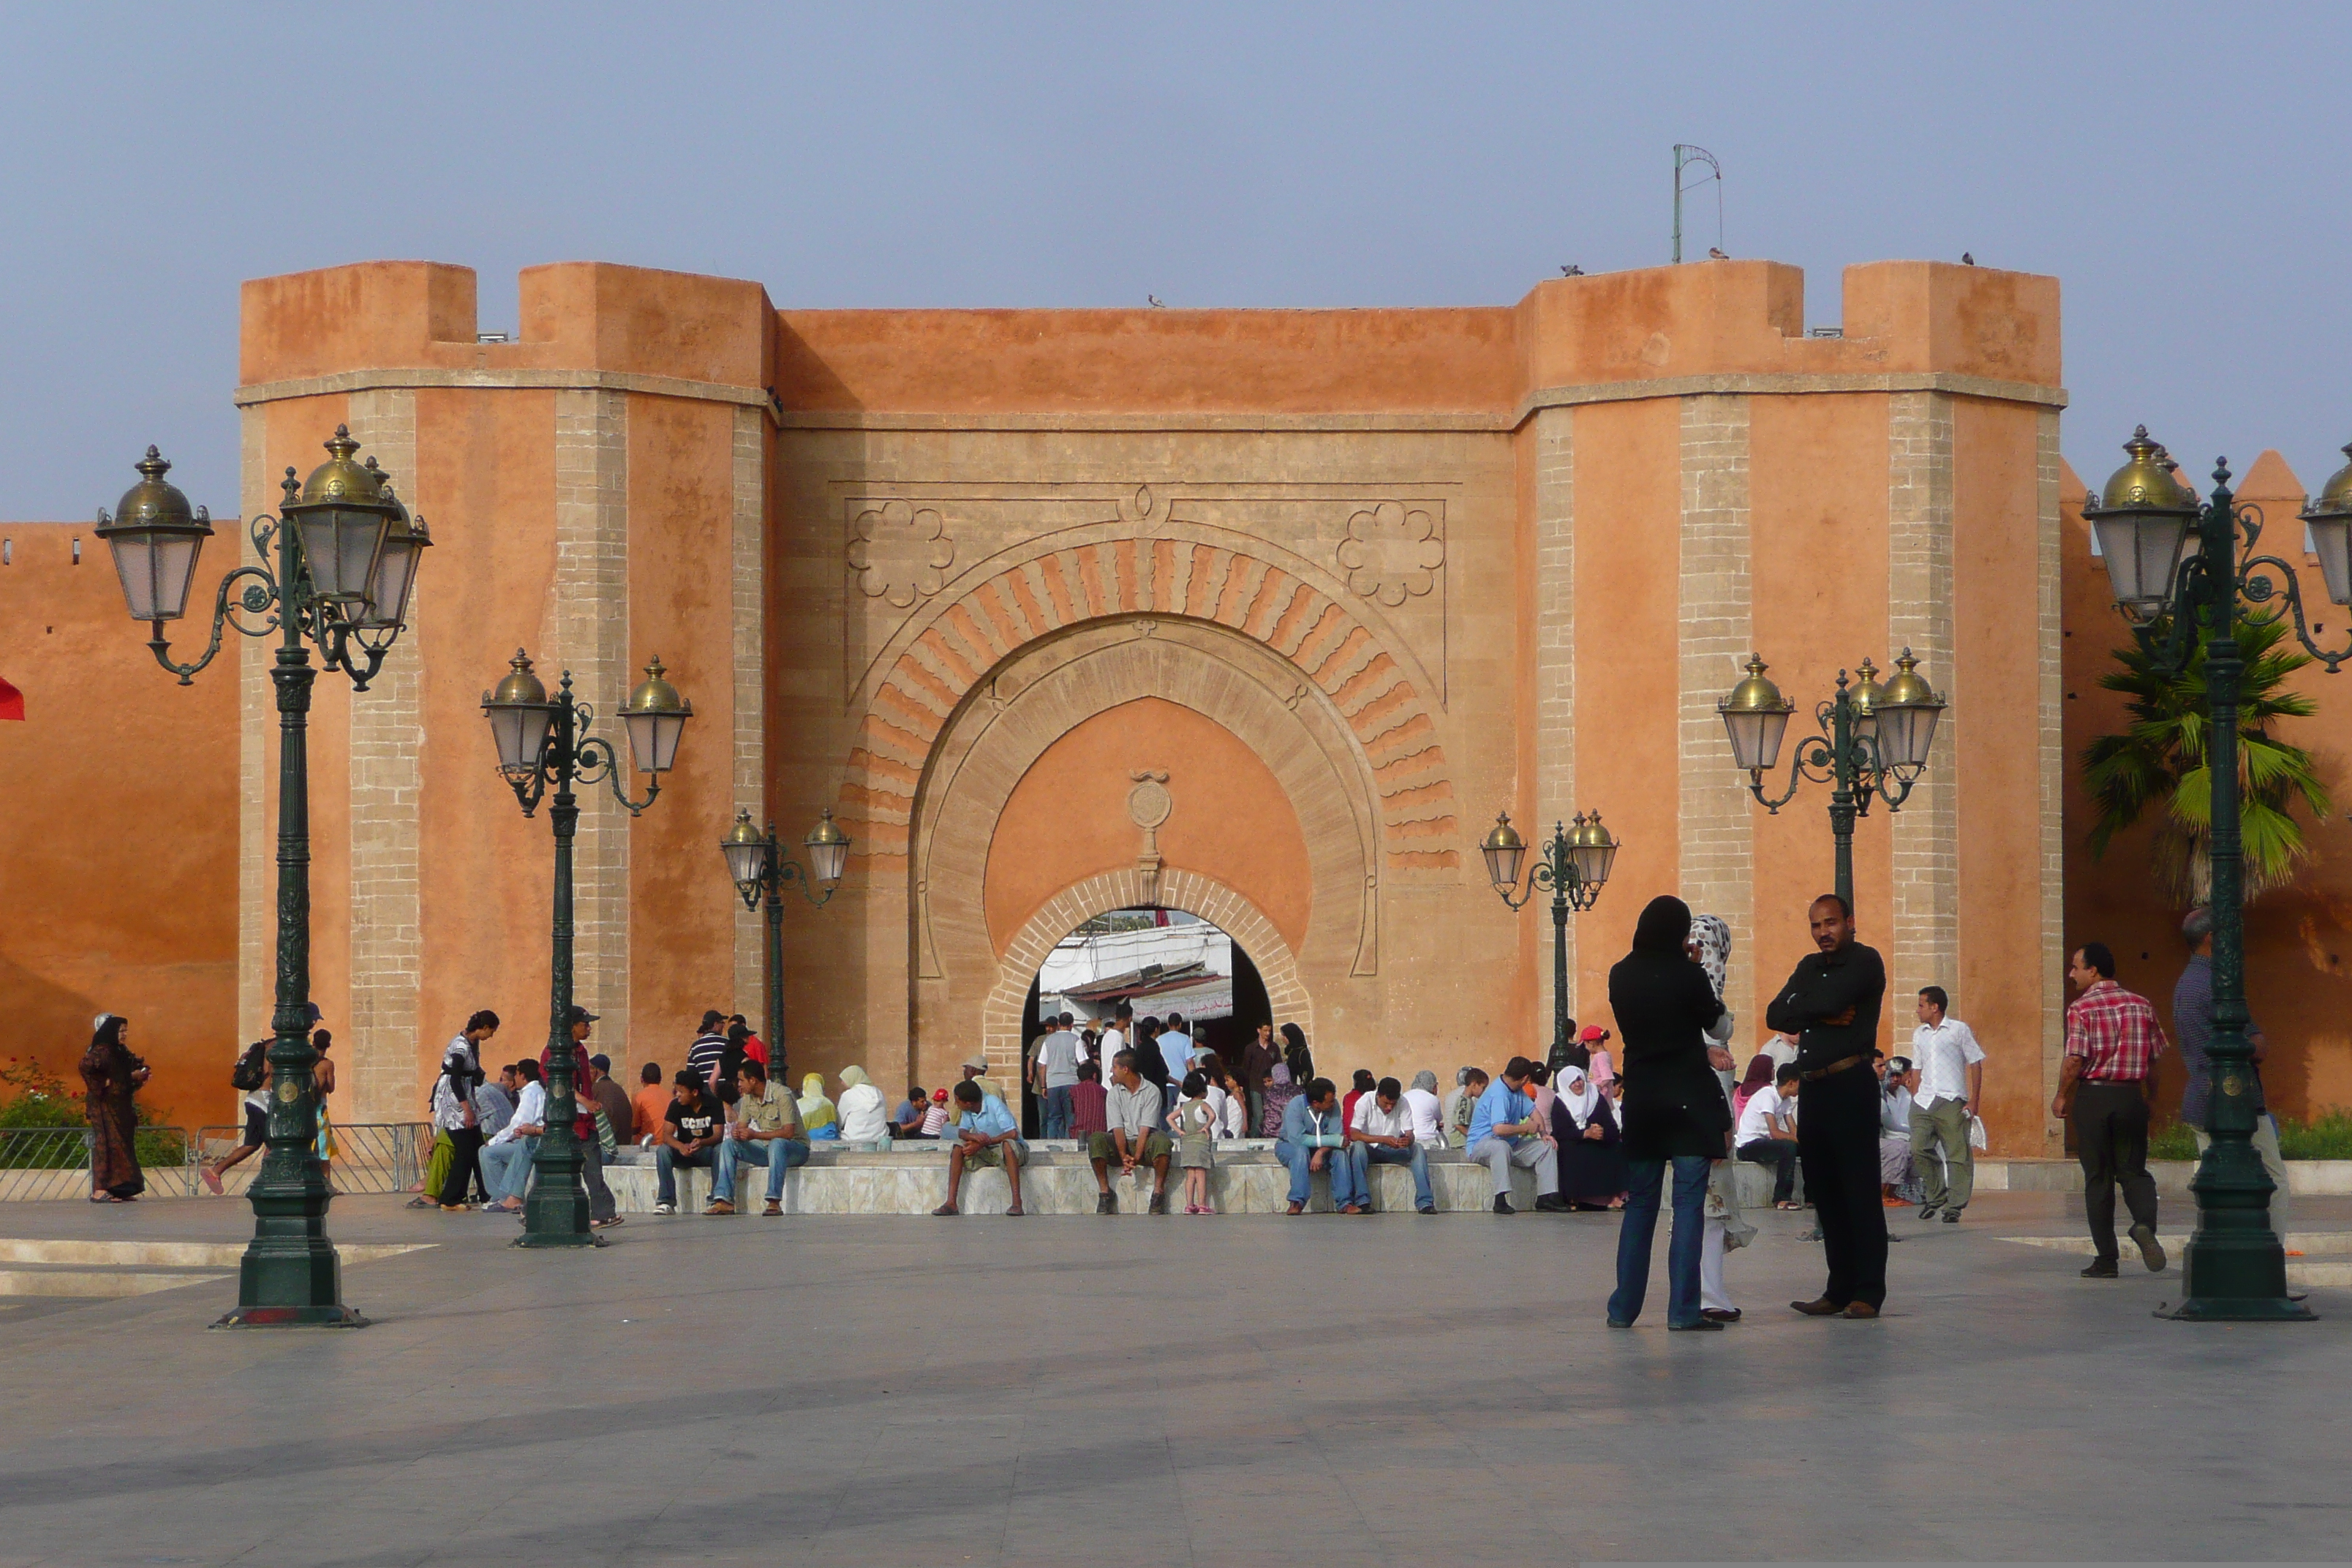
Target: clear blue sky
{"type": "Point", "coordinates": [2182, 169]}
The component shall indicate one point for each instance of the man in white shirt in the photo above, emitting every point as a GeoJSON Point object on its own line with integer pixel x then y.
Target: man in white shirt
{"type": "Point", "coordinates": [1114, 1039]}
{"type": "Point", "coordinates": [1133, 1138]}
{"type": "Point", "coordinates": [1428, 1119]}
{"type": "Point", "coordinates": [506, 1159]}
{"type": "Point", "coordinates": [1056, 1073]}
{"type": "Point", "coordinates": [1381, 1133]}
{"type": "Point", "coordinates": [1768, 1134]}
{"type": "Point", "coordinates": [1952, 1088]}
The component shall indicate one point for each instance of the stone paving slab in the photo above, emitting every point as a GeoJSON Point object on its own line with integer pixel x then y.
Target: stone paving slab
{"type": "Point", "coordinates": [1241, 1390]}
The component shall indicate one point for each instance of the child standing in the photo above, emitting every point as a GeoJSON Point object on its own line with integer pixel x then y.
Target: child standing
{"type": "Point", "coordinates": [1195, 1125]}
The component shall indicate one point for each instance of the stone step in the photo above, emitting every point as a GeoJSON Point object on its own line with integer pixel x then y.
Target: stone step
{"type": "Point", "coordinates": [171, 1254]}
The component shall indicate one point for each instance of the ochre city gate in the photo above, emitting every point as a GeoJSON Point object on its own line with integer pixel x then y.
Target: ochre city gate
{"type": "Point", "coordinates": [1177, 716]}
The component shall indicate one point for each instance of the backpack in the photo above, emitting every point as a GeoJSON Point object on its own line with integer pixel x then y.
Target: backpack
{"type": "Point", "coordinates": [252, 1069]}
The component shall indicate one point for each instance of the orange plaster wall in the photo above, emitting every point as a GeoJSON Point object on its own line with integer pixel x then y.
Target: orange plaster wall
{"type": "Point", "coordinates": [484, 899]}
{"type": "Point", "coordinates": [682, 920]}
{"type": "Point", "coordinates": [1817, 513]}
{"type": "Point", "coordinates": [1066, 819]}
{"type": "Point", "coordinates": [1996, 748]}
{"type": "Point", "coordinates": [118, 851]}
{"type": "Point", "coordinates": [1628, 459]}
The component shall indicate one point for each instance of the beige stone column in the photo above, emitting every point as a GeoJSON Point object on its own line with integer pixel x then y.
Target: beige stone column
{"type": "Point", "coordinates": [748, 568]}
{"type": "Point", "coordinates": [587, 633]}
{"type": "Point", "coordinates": [2052, 759]}
{"type": "Point", "coordinates": [257, 756]}
{"type": "Point", "coordinates": [1715, 635]}
{"type": "Point", "coordinates": [1555, 524]}
{"type": "Point", "coordinates": [1925, 920]}
{"type": "Point", "coordinates": [386, 735]}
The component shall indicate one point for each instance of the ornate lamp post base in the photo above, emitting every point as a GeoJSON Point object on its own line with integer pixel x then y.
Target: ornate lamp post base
{"type": "Point", "coordinates": [2234, 1267]}
{"type": "Point", "coordinates": [336, 1316]}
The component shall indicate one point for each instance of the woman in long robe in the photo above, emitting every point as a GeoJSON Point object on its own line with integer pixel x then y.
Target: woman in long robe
{"type": "Point", "coordinates": [110, 1074]}
{"type": "Point", "coordinates": [1592, 1153]}
{"type": "Point", "coordinates": [1727, 1228]}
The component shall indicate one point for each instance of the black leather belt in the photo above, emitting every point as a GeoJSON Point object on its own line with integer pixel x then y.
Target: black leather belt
{"type": "Point", "coordinates": [1836, 1067]}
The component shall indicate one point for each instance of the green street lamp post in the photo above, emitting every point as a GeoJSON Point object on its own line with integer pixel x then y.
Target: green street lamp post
{"type": "Point", "coordinates": [543, 741]}
{"type": "Point", "coordinates": [760, 866]}
{"type": "Point", "coordinates": [1575, 864]}
{"type": "Point", "coordinates": [2179, 570]}
{"type": "Point", "coordinates": [347, 552]}
{"type": "Point", "coordinates": [1873, 744]}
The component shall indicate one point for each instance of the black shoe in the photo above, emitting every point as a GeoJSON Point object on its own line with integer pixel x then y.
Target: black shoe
{"type": "Point", "coordinates": [2151, 1251]}
{"type": "Point", "coordinates": [1426, 1208]}
{"type": "Point", "coordinates": [1107, 1203]}
{"type": "Point", "coordinates": [1927, 1211]}
{"type": "Point", "coordinates": [2102, 1268]}
{"type": "Point", "coordinates": [1158, 1203]}
{"type": "Point", "coordinates": [1552, 1203]}
{"type": "Point", "coordinates": [1705, 1325]}
{"type": "Point", "coordinates": [1503, 1205]}
{"type": "Point", "coordinates": [1951, 1216]}
{"type": "Point", "coordinates": [1720, 1314]}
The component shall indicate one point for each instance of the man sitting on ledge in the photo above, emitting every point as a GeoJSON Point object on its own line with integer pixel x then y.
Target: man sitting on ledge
{"type": "Point", "coordinates": [1381, 1133]}
{"type": "Point", "coordinates": [986, 1134]}
{"type": "Point", "coordinates": [1312, 1140]}
{"type": "Point", "coordinates": [689, 1136]}
{"type": "Point", "coordinates": [1134, 1139]}
{"type": "Point", "coordinates": [1505, 1131]}
{"type": "Point", "coordinates": [765, 1131]}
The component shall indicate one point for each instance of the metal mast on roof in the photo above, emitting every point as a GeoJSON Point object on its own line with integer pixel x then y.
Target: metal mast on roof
{"type": "Point", "coordinates": [1685, 155]}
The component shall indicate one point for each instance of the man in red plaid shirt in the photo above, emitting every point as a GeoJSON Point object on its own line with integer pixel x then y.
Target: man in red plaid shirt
{"type": "Point", "coordinates": [2112, 1042]}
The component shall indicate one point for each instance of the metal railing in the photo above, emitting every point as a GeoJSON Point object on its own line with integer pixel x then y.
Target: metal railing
{"type": "Point", "coordinates": [369, 1157]}
{"type": "Point", "coordinates": [45, 1162]}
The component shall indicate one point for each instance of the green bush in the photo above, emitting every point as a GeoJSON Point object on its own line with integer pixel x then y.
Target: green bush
{"type": "Point", "coordinates": [32, 1096]}
{"type": "Point", "coordinates": [2173, 1140]}
{"type": "Point", "coordinates": [2326, 1136]}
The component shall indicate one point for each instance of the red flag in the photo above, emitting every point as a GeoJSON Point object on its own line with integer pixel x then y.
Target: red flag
{"type": "Point", "coordinates": [12, 702]}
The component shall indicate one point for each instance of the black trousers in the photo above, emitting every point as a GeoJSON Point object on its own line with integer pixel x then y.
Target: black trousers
{"type": "Point", "coordinates": [465, 1166]}
{"type": "Point", "coordinates": [1837, 1142]}
{"type": "Point", "coordinates": [2111, 1139]}
{"type": "Point", "coordinates": [1781, 1155]}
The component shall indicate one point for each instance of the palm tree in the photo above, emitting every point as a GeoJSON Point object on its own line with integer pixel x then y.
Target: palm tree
{"type": "Point", "coordinates": [2159, 762]}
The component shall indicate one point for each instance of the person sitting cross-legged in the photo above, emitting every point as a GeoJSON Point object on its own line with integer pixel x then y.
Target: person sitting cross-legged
{"type": "Point", "coordinates": [1131, 1108]}
{"type": "Point", "coordinates": [1312, 1140]}
{"type": "Point", "coordinates": [765, 1131]}
{"type": "Point", "coordinates": [1505, 1131]}
{"type": "Point", "coordinates": [1381, 1133]}
{"type": "Point", "coordinates": [506, 1159]}
{"type": "Point", "coordinates": [986, 1134]}
{"type": "Point", "coordinates": [689, 1136]}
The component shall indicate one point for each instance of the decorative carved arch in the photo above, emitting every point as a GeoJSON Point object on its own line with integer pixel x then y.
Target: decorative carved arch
{"type": "Point", "coordinates": [944, 652]}
{"type": "Point", "coordinates": [1194, 894]}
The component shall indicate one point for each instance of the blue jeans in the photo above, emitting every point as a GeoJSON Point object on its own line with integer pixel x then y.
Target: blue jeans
{"type": "Point", "coordinates": [778, 1154]}
{"type": "Point", "coordinates": [666, 1160]}
{"type": "Point", "coordinates": [1364, 1156]}
{"type": "Point", "coordinates": [1057, 1111]}
{"type": "Point", "coordinates": [506, 1167]}
{"type": "Point", "coordinates": [1643, 1178]}
{"type": "Point", "coordinates": [1345, 1189]}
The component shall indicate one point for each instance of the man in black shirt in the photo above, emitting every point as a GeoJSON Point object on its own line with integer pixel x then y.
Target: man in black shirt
{"type": "Point", "coordinates": [689, 1136]}
{"type": "Point", "coordinates": [1832, 1003]}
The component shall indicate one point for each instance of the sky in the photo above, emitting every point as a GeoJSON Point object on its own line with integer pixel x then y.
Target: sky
{"type": "Point", "coordinates": [2182, 170]}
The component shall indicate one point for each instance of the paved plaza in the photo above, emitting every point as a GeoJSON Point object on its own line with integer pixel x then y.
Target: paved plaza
{"type": "Point", "coordinates": [1232, 1391]}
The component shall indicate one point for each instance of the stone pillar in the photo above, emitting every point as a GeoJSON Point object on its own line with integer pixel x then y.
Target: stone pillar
{"type": "Point", "coordinates": [387, 733]}
{"type": "Point", "coordinates": [1716, 634]}
{"type": "Point", "coordinates": [746, 583]}
{"type": "Point", "coordinates": [2052, 760]}
{"type": "Point", "coordinates": [1555, 524]}
{"type": "Point", "coordinates": [588, 633]}
{"type": "Point", "coordinates": [1925, 920]}
{"type": "Point", "coordinates": [257, 756]}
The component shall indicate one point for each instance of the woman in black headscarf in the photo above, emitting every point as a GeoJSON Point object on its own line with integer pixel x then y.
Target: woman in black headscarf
{"type": "Point", "coordinates": [1296, 1057]}
{"type": "Point", "coordinates": [1675, 1110]}
{"type": "Point", "coordinates": [108, 1074]}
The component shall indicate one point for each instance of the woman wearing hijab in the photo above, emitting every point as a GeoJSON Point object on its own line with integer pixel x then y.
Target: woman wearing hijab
{"type": "Point", "coordinates": [1591, 1150]}
{"type": "Point", "coordinates": [1760, 1071]}
{"type": "Point", "coordinates": [863, 1118]}
{"type": "Point", "coordinates": [1280, 1092]}
{"type": "Point", "coordinates": [110, 1074]}
{"type": "Point", "coordinates": [817, 1112]}
{"type": "Point", "coordinates": [1710, 944]}
{"type": "Point", "coordinates": [1296, 1057]}
{"type": "Point", "coordinates": [1675, 1110]}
